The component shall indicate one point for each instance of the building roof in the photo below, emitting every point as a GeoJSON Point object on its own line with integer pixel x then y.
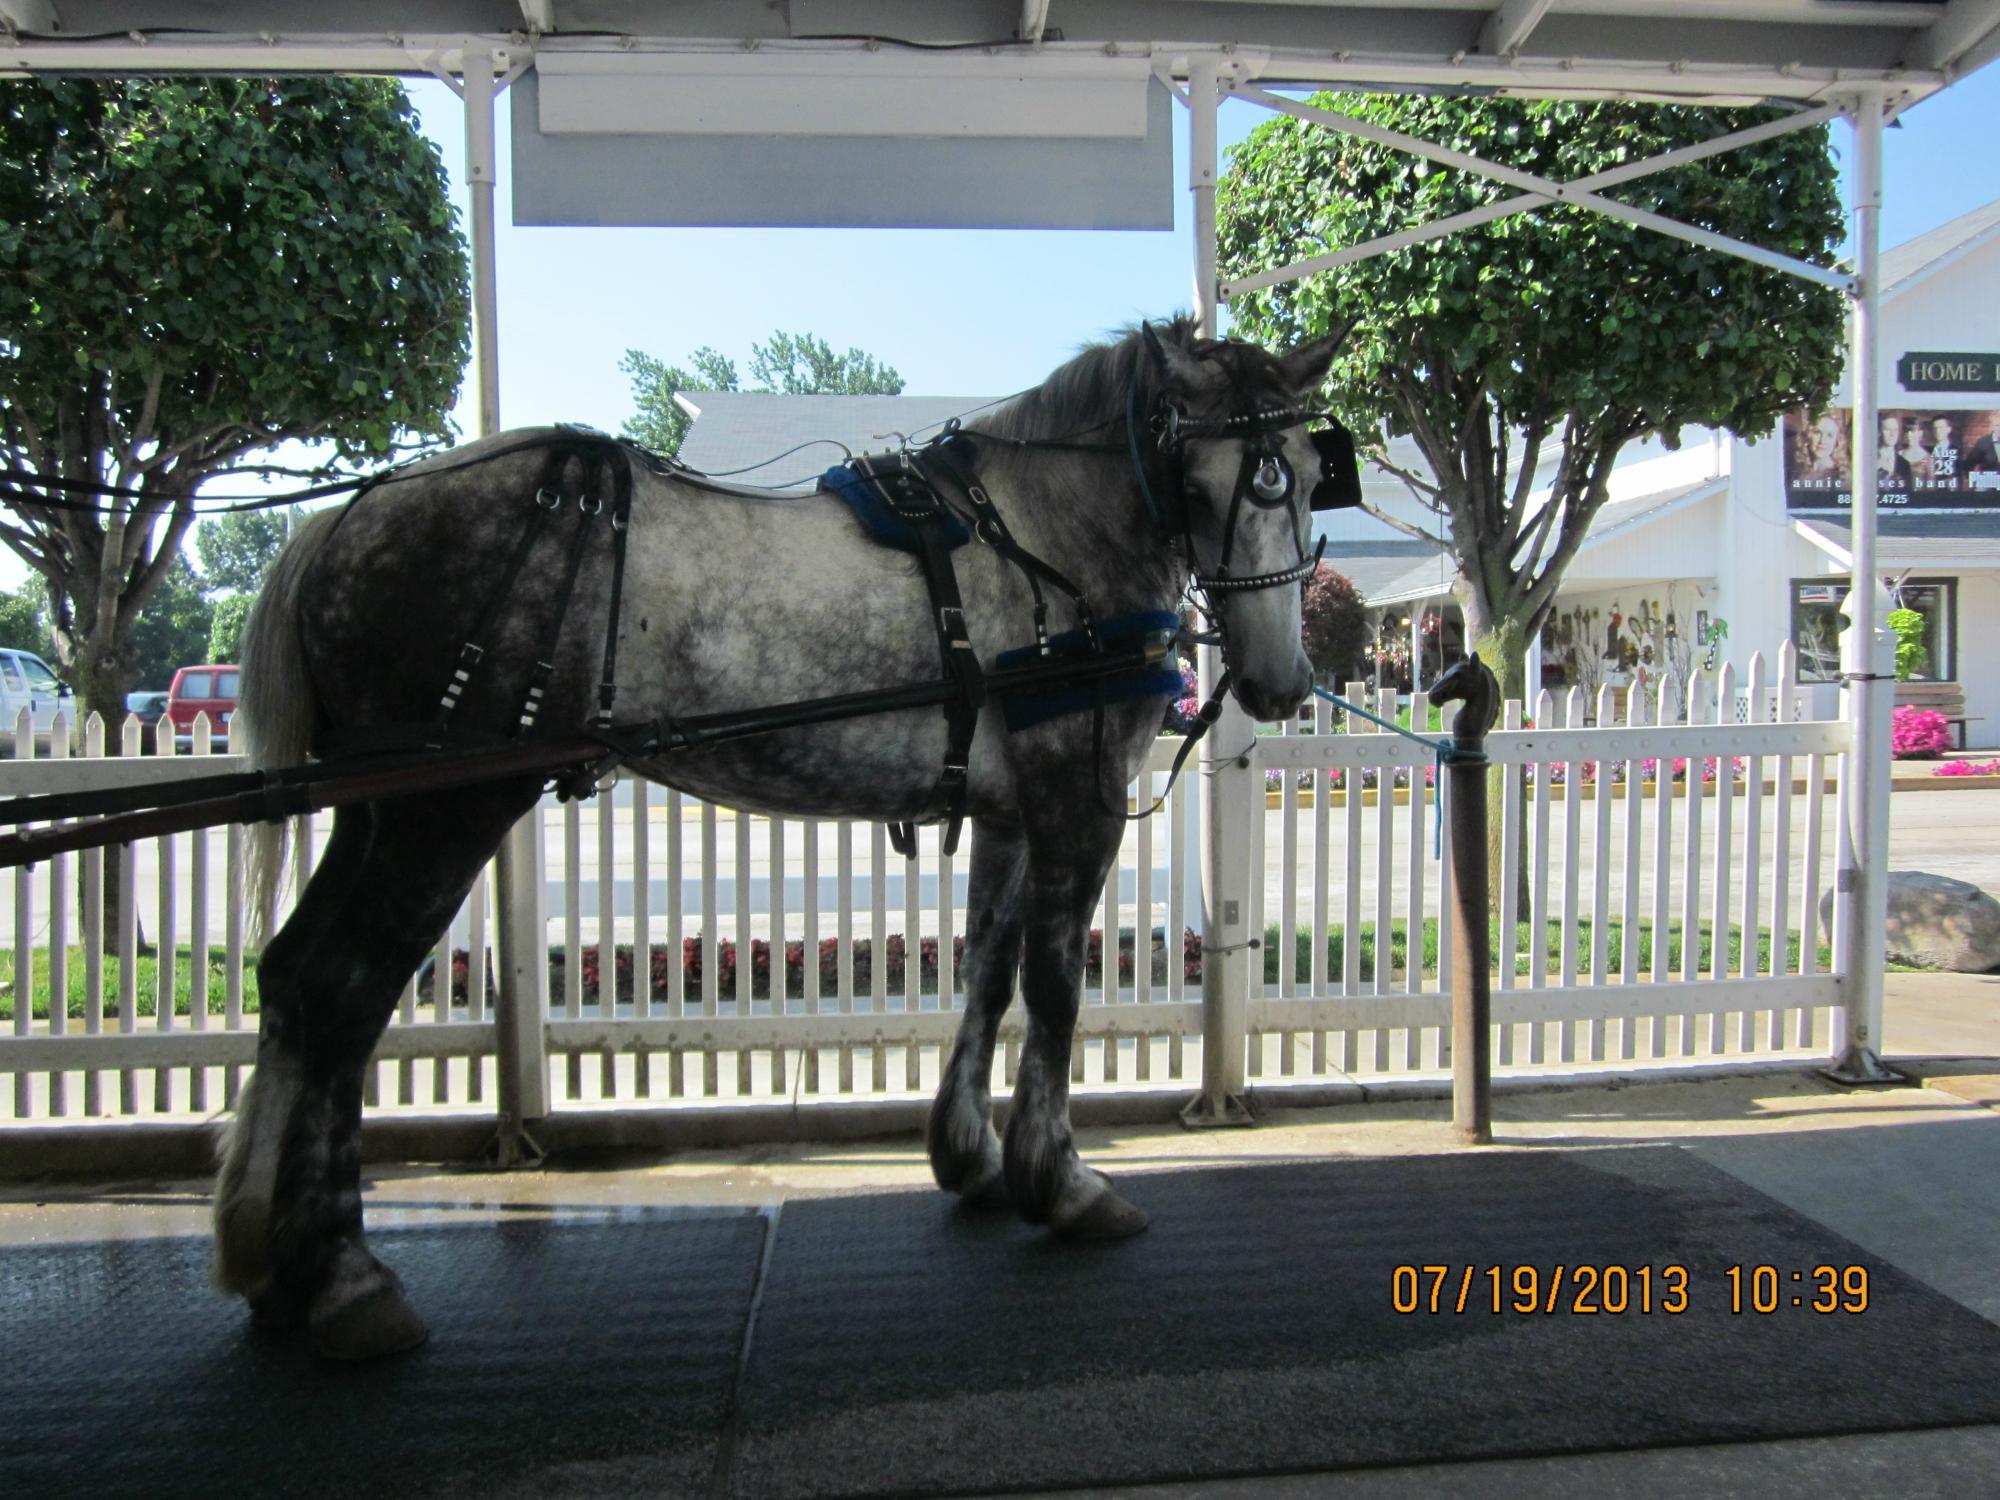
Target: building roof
{"type": "Point", "coordinates": [1422, 581]}
{"type": "Point", "coordinates": [1916, 539]}
{"type": "Point", "coordinates": [746, 435]}
{"type": "Point", "coordinates": [1374, 565]}
{"type": "Point", "coordinates": [1912, 261]}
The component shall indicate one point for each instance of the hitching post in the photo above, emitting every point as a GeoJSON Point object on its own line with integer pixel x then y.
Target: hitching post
{"type": "Point", "coordinates": [1471, 957]}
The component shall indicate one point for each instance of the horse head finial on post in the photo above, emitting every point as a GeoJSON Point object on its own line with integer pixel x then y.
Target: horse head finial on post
{"type": "Point", "coordinates": [1472, 684]}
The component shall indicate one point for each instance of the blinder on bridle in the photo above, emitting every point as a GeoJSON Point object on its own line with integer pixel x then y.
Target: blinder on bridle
{"type": "Point", "coordinates": [1264, 479]}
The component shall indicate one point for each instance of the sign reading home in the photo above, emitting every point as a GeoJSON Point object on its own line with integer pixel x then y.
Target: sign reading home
{"type": "Point", "coordinates": [1924, 460]}
{"type": "Point", "coordinates": [1949, 372]}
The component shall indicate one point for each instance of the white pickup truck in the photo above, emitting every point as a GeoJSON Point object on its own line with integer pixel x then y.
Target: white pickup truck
{"type": "Point", "coordinates": [26, 681]}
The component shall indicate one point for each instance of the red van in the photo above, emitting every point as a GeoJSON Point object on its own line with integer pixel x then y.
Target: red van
{"type": "Point", "coordinates": [207, 690]}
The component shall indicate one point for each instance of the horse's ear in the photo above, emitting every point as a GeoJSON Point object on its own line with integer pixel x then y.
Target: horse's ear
{"type": "Point", "coordinates": [1304, 368]}
{"type": "Point", "coordinates": [1179, 371]}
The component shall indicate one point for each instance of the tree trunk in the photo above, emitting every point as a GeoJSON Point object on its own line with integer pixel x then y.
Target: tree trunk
{"type": "Point", "coordinates": [1502, 643]}
{"type": "Point", "coordinates": [102, 678]}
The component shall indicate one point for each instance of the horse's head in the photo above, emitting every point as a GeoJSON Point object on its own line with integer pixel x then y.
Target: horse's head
{"type": "Point", "coordinates": [1241, 472]}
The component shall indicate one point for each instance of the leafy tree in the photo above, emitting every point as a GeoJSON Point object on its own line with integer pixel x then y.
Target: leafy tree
{"type": "Point", "coordinates": [662, 422]}
{"type": "Point", "coordinates": [1333, 623]}
{"type": "Point", "coordinates": [237, 547]}
{"type": "Point", "coordinates": [1553, 324]}
{"type": "Point", "coordinates": [790, 364]}
{"type": "Point", "coordinates": [172, 632]}
{"type": "Point", "coordinates": [798, 364]}
{"type": "Point", "coordinates": [192, 271]}
{"type": "Point", "coordinates": [1558, 323]}
{"type": "Point", "coordinates": [24, 620]}
{"type": "Point", "coordinates": [225, 627]}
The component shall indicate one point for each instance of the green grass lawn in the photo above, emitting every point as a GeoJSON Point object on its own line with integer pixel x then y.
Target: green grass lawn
{"type": "Point", "coordinates": [1399, 948]}
{"type": "Point", "coordinates": [1399, 958]}
{"type": "Point", "coordinates": [148, 984]}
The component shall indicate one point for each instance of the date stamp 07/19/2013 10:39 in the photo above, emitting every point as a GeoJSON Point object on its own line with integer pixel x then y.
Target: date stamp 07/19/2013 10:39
{"type": "Point", "coordinates": [1596, 1290]}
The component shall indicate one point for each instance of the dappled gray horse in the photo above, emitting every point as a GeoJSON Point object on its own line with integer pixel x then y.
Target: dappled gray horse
{"type": "Point", "coordinates": [1143, 461]}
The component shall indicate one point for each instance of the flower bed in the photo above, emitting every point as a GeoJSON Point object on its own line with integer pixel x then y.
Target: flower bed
{"type": "Point", "coordinates": [895, 951]}
{"type": "Point", "coordinates": [1967, 768]}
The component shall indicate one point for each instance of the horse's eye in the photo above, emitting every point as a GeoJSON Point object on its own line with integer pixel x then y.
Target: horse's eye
{"type": "Point", "coordinates": [1272, 481]}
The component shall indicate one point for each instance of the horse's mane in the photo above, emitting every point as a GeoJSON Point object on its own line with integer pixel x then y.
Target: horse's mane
{"type": "Point", "coordinates": [1091, 390]}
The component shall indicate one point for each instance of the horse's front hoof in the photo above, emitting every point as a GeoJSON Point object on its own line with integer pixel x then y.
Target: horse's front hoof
{"type": "Point", "coordinates": [374, 1325]}
{"type": "Point", "coordinates": [1105, 1217]}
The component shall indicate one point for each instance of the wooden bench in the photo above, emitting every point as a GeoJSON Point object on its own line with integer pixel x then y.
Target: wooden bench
{"type": "Point", "coordinates": [1947, 698]}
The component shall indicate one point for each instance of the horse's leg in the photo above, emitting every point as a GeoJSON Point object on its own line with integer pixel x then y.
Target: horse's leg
{"type": "Point", "coordinates": [418, 864]}
{"type": "Point", "coordinates": [1070, 851]}
{"type": "Point", "coordinates": [248, 1179]}
{"type": "Point", "coordinates": [964, 1151]}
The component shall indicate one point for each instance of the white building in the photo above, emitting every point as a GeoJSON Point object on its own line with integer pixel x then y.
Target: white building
{"type": "Point", "coordinates": [1713, 533]}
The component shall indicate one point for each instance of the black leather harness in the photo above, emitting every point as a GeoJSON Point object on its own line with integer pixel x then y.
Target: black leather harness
{"type": "Point", "coordinates": [904, 488]}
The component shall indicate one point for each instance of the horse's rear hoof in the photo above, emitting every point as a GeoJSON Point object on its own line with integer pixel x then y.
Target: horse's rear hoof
{"type": "Point", "coordinates": [373, 1326]}
{"type": "Point", "coordinates": [1108, 1217]}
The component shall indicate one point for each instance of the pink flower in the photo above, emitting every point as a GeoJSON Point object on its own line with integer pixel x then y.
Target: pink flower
{"type": "Point", "coordinates": [1917, 732]}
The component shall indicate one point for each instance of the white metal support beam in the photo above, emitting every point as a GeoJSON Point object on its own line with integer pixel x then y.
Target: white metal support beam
{"type": "Point", "coordinates": [1034, 20]}
{"type": "Point", "coordinates": [1963, 26]}
{"type": "Point", "coordinates": [521, 1004]}
{"type": "Point", "coordinates": [1547, 189]}
{"type": "Point", "coordinates": [1506, 30]}
{"type": "Point", "coordinates": [1861, 865]}
{"type": "Point", "coordinates": [1231, 788]}
{"type": "Point", "coordinates": [1507, 207]}
{"type": "Point", "coordinates": [539, 16]}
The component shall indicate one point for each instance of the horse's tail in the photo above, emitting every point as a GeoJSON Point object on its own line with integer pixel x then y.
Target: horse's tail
{"type": "Point", "coordinates": [275, 713]}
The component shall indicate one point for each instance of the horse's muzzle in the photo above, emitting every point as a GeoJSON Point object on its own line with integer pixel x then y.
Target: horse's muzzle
{"type": "Point", "coordinates": [1266, 700]}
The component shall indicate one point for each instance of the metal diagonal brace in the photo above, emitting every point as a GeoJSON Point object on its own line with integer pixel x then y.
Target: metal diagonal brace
{"type": "Point", "coordinates": [1539, 191]}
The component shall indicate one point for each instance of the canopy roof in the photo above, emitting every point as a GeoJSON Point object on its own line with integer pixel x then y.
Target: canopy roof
{"type": "Point", "coordinates": [1743, 49]}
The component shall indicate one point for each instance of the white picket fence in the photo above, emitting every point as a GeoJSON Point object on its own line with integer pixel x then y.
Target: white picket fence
{"type": "Point", "coordinates": [1609, 864]}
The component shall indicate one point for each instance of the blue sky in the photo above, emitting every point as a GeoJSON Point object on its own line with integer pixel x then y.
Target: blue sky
{"type": "Point", "coordinates": [957, 312]}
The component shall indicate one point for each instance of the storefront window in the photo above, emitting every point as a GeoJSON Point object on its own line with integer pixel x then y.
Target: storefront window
{"type": "Point", "coordinates": [1930, 650]}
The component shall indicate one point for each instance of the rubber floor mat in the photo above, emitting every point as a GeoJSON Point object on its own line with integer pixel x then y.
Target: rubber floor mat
{"type": "Point", "coordinates": [579, 1358]}
{"type": "Point", "coordinates": [907, 1347]}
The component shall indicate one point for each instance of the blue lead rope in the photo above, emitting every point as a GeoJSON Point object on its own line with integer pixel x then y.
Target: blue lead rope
{"type": "Point", "coordinates": [1445, 750]}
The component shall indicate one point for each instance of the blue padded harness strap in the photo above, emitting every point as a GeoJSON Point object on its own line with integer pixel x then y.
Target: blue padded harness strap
{"type": "Point", "coordinates": [883, 525]}
{"type": "Point", "coordinates": [1022, 708]}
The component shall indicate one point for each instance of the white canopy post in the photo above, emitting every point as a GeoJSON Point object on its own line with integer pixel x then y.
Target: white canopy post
{"type": "Point", "coordinates": [1869, 657]}
{"type": "Point", "coordinates": [1229, 791]}
{"type": "Point", "coordinates": [521, 1005]}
